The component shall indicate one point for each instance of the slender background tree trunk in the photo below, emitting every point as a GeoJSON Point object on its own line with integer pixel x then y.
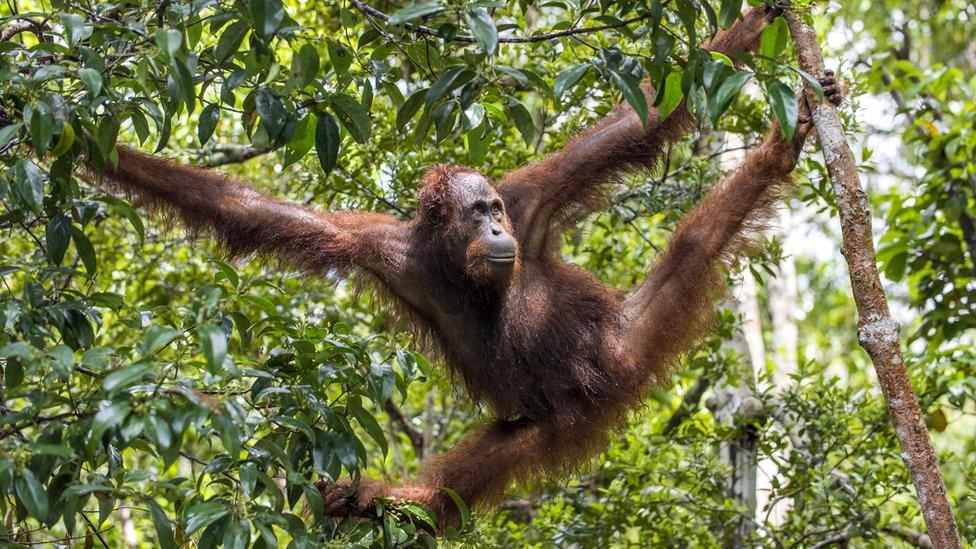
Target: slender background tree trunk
{"type": "Point", "coordinates": [877, 331]}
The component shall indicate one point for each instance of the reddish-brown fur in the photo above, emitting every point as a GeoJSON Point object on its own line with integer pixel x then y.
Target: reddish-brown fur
{"type": "Point", "coordinates": [558, 357]}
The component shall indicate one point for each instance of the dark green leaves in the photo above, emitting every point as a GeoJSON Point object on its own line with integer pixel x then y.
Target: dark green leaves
{"type": "Point", "coordinates": [85, 249]}
{"type": "Point", "coordinates": [568, 78]}
{"type": "Point", "coordinates": [725, 93]}
{"type": "Point", "coordinates": [522, 119]}
{"type": "Point", "coordinates": [305, 66]}
{"type": "Point", "coordinates": [629, 86]}
{"type": "Point", "coordinates": [273, 112]}
{"type": "Point", "coordinates": [327, 141]}
{"type": "Point", "coordinates": [267, 16]}
{"type": "Point", "coordinates": [33, 496]}
{"type": "Point", "coordinates": [124, 377]}
{"type": "Point", "coordinates": [203, 514]}
{"type": "Point", "coordinates": [450, 79]}
{"type": "Point", "coordinates": [92, 80]}
{"type": "Point", "coordinates": [729, 12]}
{"type": "Point", "coordinates": [483, 28]}
{"type": "Point", "coordinates": [164, 530]}
{"type": "Point", "coordinates": [57, 237]}
{"type": "Point", "coordinates": [785, 107]}
{"type": "Point", "coordinates": [213, 343]}
{"type": "Point", "coordinates": [208, 123]}
{"type": "Point", "coordinates": [414, 11]}
{"type": "Point", "coordinates": [352, 115]}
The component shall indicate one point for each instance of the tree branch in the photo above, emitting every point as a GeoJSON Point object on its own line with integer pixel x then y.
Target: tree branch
{"type": "Point", "coordinates": [368, 10]}
{"type": "Point", "coordinates": [689, 403]}
{"type": "Point", "coordinates": [414, 434]}
{"type": "Point", "coordinates": [37, 27]}
{"type": "Point", "coordinates": [877, 331]}
{"type": "Point", "coordinates": [232, 153]}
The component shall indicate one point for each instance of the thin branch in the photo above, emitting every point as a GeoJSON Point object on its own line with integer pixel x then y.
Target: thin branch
{"type": "Point", "coordinates": [414, 434]}
{"type": "Point", "coordinates": [368, 10]}
{"type": "Point", "coordinates": [232, 153]}
{"type": "Point", "coordinates": [689, 403]}
{"type": "Point", "coordinates": [37, 27]}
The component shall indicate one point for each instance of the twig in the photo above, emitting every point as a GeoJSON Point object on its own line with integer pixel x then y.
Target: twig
{"type": "Point", "coordinates": [689, 403]}
{"type": "Point", "coordinates": [37, 27]}
{"type": "Point", "coordinates": [420, 29]}
{"type": "Point", "coordinates": [232, 153]}
{"type": "Point", "coordinates": [414, 434]}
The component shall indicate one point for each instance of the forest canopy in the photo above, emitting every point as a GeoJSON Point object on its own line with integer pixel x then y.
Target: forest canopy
{"type": "Point", "coordinates": [154, 392]}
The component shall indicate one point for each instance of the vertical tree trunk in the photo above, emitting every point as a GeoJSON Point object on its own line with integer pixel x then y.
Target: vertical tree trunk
{"type": "Point", "coordinates": [734, 403]}
{"type": "Point", "coordinates": [782, 304]}
{"type": "Point", "coordinates": [877, 331]}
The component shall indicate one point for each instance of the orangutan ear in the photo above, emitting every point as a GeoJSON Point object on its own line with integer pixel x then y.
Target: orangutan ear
{"type": "Point", "coordinates": [435, 194]}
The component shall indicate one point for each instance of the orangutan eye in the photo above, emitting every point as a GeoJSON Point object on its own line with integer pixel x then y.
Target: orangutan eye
{"type": "Point", "coordinates": [496, 209]}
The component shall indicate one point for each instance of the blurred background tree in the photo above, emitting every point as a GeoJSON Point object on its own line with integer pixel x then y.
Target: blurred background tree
{"type": "Point", "coordinates": [154, 394]}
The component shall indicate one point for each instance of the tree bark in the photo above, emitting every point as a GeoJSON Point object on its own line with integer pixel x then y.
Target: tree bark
{"type": "Point", "coordinates": [877, 331]}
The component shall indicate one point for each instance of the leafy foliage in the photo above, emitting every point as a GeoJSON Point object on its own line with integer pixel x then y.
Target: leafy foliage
{"type": "Point", "coordinates": [144, 379]}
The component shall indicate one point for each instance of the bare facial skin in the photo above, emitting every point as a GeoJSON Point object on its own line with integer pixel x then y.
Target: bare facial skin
{"type": "Point", "coordinates": [485, 224]}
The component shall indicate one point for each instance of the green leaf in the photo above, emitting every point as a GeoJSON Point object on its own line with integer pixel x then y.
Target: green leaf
{"type": "Point", "coordinates": [671, 97]}
{"type": "Point", "coordinates": [415, 11]}
{"type": "Point", "coordinates": [772, 41]}
{"type": "Point", "coordinates": [203, 514]}
{"type": "Point", "coordinates": [419, 512]}
{"type": "Point", "coordinates": [41, 127]}
{"type": "Point", "coordinates": [170, 41]}
{"type": "Point", "coordinates": [305, 66]}
{"type": "Point", "coordinates": [729, 12]}
{"type": "Point", "coordinates": [92, 80]}
{"type": "Point", "coordinates": [129, 213]}
{"type": "Point", "coordinates": [302, 140]}
{"type": "Point", "coordinates": [213, 343]}
{"type": "Point", "coordinates": [7, 133]}
{"type": "Point", "coordinates": [522, 119]}
{"type": "Point", "coordinates": [164, 530]}
{"type": "Point", "coordinates": [463, 509]}
{"type": "Point", "coordinates": [237, 535]}
{"type": "Point", "coordinates": [108, 417]}
{"type": "Point", "coordinates": [629, 86]}
{"type": "Point", "coordinates": [450, 79]}
{"type": "Point", "coordinates": [32, 495]}
{"type": "Point", "coordinates": [120, 379]}
{"type": "Point", "coordinates": [369, 424]}
{"type": "Point", "coordinates": [568, 78]}
{"type": "Point", "coordinates": [353, 117]}
{"type": "Point", "coordinates": [268, 16]}
{"type": "Point", "coordinates": [208, 123]}
{"type": "Point", "coordinates": [813, 83]}
{"type": "Point", "coordinates": [57, 237]}
{"type": "Point", "coordinates": [85, 249]}
{"type": "Point", "coordinates": [248, 474]}
{"type": "Point", "coordinates": [782, 98]}
{"type": "Point", "coordinates": [230, 41]}
{"type": "Point", "coordinates": [65, 141]}
{"type": "Point", "coordinates": [75, 28]}
{"type": "Point", "coordinates": [340, 57]}
{"type": "Point", "coordinates": [272, 110]}
{"type": "Point", "coordinates": [327, 141]}
{"type": "Point", "coordinates": [156, 338]}
{"type": "Point", "coordinates": [726, 93]}
{"type": "Point", "coordinates": [410, 108]}
{"type": "Point", "coordinates": [483, 28]}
